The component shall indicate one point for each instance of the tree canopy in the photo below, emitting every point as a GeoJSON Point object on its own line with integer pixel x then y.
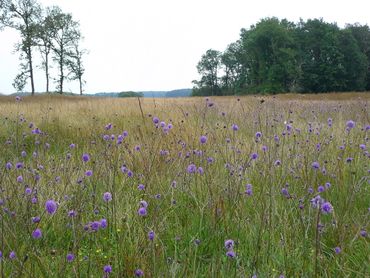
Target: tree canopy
{"type": "Point", "coordinates": [276, 56]}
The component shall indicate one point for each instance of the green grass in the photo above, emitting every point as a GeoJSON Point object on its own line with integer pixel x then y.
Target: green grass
{"type": "Point", "coordinates": [273, 235]}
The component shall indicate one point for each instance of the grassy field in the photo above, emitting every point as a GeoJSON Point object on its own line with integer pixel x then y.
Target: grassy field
{"type": "Point", "coordinates": [273, 186]}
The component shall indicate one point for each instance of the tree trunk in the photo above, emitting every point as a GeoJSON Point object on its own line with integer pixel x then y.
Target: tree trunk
{"type": "Point", "coordinates": [31, 71]}
{"type": "Point", "coordinates": [47, 71]}
{"type": "Point", "coordinates": [80, 80]}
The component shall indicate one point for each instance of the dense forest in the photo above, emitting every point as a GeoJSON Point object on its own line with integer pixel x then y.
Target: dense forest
{"type": "Point", "coordinates": [276, 56]}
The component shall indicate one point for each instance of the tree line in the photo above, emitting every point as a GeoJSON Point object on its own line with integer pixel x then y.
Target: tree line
{"type": "Point", "coordinates": [50, 33]}
{"type": "Point", "coordinates": [276, 56]}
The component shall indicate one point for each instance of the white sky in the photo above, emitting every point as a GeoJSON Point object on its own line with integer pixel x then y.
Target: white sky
{"type": "Point", "coordinates": [156, 44]}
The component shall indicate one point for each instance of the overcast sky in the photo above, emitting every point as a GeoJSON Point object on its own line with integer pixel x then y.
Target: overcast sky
{"type": "Point", "coordinates": [155, 44]}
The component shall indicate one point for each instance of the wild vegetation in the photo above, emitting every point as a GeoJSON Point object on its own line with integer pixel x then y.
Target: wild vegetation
{"type": "Point", "coordinates": [275, 56]}
{"type": "Point", "coordinates": [220, 187]}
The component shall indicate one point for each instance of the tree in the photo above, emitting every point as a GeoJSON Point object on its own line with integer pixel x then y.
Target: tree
{"type": "Point", "coordinates": [208, 68]}
{"type": "Point", "coordinates": [322, 62]}
{"type": "Point", "coordinates": [75, 64]}
{"type": "Point", "coordinates": [361, 33]}
{"type": "Point", "coordinates": [45, 35]}
{"type": "Point", "coordinates": [234, 70]}
{"type": "Point", "coordinates": [66, 36]}
{"type": "Point", "coordinates": [270, 55]}
{"type": "Point", "coordinates": [23, 16]}
{"type": "Point", "coordinates": [354, 62]}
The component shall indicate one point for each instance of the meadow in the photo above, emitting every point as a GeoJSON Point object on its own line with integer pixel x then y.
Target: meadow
{"type": "Point", "coordinates": [268, 186]}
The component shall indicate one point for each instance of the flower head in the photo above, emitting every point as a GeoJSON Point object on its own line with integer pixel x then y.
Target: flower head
{"type": "Point", "coordinates": [51, 206]}
{"type": "Point", "coordinates": [107, 197]}
{"type": "Point", "coordinates": [36, 234]}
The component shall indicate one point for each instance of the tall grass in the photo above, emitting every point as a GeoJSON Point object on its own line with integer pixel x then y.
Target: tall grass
{"type": "Point", "coordinates": [257, 185]}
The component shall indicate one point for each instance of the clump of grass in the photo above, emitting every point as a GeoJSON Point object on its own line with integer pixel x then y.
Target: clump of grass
{"type": "Point", "coordinates": [116, 188]}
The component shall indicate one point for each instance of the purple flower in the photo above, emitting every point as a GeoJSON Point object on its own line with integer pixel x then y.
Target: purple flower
{"type": "Point", "coordinates": [71, 213]}
{"type": "Point", "coordinates": [70, 257]}
{"type": "Point", "coordinates": [72, 146]}
{"type": "Point", "coordinates": [95, 225]}
{"type": "Point", "coordinates": [254, 156]}
{"type": "Point", "coordinates": [107, 269]}
{"type": "Point", "coordinates": [151, 235]}
{"type": "Point", "coordinates": [51, 206]}
{"type": "Point", "coordinates": [316, 201]}
{"type": "Point", "coordinates": [321, 189]}
{"type": "Point", "coordinates": [141, 187]}
{"type": "Point", "coordinates": [107, 197]}
{"type": "Point", "coordinates": [155, 120]}
{"type": "Point", "coordinates": [350, 124]}
{"type": "Point", "coordinates": [17, 98]}
{"type": "Point", "coordinates": [231, 254]}
{"type": "Point", "coordinates": [203, 139]}
{"type": "Point", "coordinates": [142, 211]}
{"type": "Point", "coordinates": [88, 173]}
{"type": "Point", "coordinates": [326, 208]}
{"type": "Point", "coordinates": [363, 233]}
{"type": "Point", "coordinates": [315, 165]}
{"type": "Point", "coordinates": [36, 219]}
{"type": "Point", "coordinates": [143, 204]}
{"type": "Point", "coordinates": [337, 250]}
{"type": "Point", "coordinates": [191, 169]}
{"type": "Point", "coordinates": [103, 223]}
{"type": "Point", "coordinates": [229, 244]}
{"type": "Point", "coordinates": [258, 134]}
{"type": "Point", "coordinates": [285, 192]}
{"type": "Point", "coordinates": [277, 163]}
{"type": "Point", "coordinates": [139, 273]}
{"type": "Point", "coordinates": [200, 170]}
{"type": "Point", "coordinates": [12, 255]}
{"type": "Point", "coordinates": [23, 154]}
{"type": "Point", "coordinates": [248, 190]}
{"type": "Point", "coordinates": [36, 234]}
{"type": "Point", "coordinates": [235, 127]}
{"type": "Point", "coordinates": [108, 126]}
{"type": "Point", "coordinates": [20, 179]}
{"type": "Point", "coordinates": [85, 157]}
{"type": "Point", "coordinates": [8, 165]}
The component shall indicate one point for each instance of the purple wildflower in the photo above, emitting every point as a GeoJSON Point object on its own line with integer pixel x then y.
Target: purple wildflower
{"type": "Point", "coordinates": [107, 197]}
{"type": "Point", "coordinates": [203, 139]}
{"type": "Point", "coordinates": [107, 269]}
{"type": "Point", "coordinates": [88, 173]}
{"type": "Point", "coordinates": [229, 244]}
{"type": "Point", "coordinates": [191, 169]}
{"type": "Point", "coordinates": [235, 127]}
{"type": "Point", "coordinates": [231, 254]}
{"type": "Point", "coordinates": [142, 211]}
{"type": "Point", "coordinates": [12, 255]}
{"type": "Point", "coordinates": [350, 124]}
{"type": "Point", "coordinates": [70, 257]}
{"type": "Point", "coordinates": [36, 234]}
{"type": "Point", "coordinates": [254, 156]}
{"type": "Point", "coordinates": [85, 157]}
{"type": "Point", "coordinates": [139, 273]}
{"type": "Point", "coordinates": [151, 235]}
{"type": "Point", "coordinates": [337, 250]}
{"type": "Point", "coordinates": [51, 206]}
{"type": "Point", "coordinates": [326, 208]}
{"type": "Point", "coordinates": [315, 165]}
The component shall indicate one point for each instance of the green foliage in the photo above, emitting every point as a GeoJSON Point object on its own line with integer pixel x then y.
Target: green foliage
{"type": "Point", "coordinates": [130, 94]}
{"type": "Point", "coordinates": [276, 56]}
